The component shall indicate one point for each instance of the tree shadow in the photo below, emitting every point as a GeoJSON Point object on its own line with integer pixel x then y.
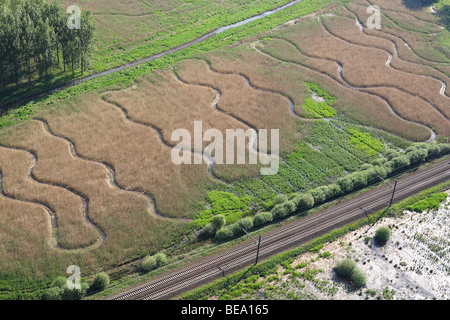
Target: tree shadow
{"type": "Point", "coordinates": [418, 4]}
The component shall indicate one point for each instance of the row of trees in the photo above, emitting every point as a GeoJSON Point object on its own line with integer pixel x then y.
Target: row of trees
{"type": "Point", "coordinates": [35, 36]}
{"type": "Point", "coordinates": [283, 206]}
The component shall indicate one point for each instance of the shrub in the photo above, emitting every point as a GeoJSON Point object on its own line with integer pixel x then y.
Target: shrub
{"type": "Point", "coordinates": [224, 234]}
{"type": "Point", "coordinates": [236, 229]}
{"type": "Point", "coordinates": [366, 166]}
{"type": "Point", "coordinates": [381, 171]}
{"type": "Point", "coordinates": [262, 218]}
{"type": "Point", "coordinates": [379, 161]}
{"type": "Point", "coordinates": [318, 194]}
{"type": "Point", "coordinates": [401, 162]}
{"type": "Point", "coordinates": [334, 190]}
{"type": "Point", "coordinates": [358, 278]}
{"type": "Point", "coordinates": [290, 207]}
{"type": "Point", "coordinates": [160, 259]}
{"type": "Point", "coordinates": [208, 231]}
{"type": "Point", "coordinates": [59, 291]}
{"type": "Point", "coordinates": [148, 264]}
{"type": "Point", "coordinates": [345, 183]}
{"type": "Point", "coordinates": [344, 268]}
{"type": "Point", "coordinates": [268, 205]}
{"type": "Point", "coordinates": [359, 180]}
{"type": "Point", "coordinates": [218, 222]}
{"type": "Point", "coordinates": [305, 201]}
{"type": "Point", "coordinates": [391, 154]}
{"type": "Point", "coordinates": [279, 199]}
{"type": "Point", "coordinates": [101, 281]}
{"type": "Point", "coordinates": [279, 211]}
{"type": "Point", "coordinates": [75, 294]}
{"type": "Point", "coordinates": [382, 235]}
{"type": "Point", "coordinates": [152, 262]}
{"type": "Point", "coordinates": [246, 223]}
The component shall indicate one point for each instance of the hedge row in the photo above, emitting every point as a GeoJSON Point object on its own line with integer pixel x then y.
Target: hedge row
{"type": "Point", "coordinates": [284, 206]}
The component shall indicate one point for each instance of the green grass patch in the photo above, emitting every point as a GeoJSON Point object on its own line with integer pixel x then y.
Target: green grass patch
{"type": "Point", "coordinates": [432, 202]}
{"type": "Point", "coordinates": [225, 203]}
{"type": "Point", "coordinates": [318, 110]}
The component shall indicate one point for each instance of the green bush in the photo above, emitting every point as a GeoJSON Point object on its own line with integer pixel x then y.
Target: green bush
{"type": "Point", "coordinates": [359, 179]}
{"type": "Point", "coordinates": [161, 259]}
{"type": "Point", "coordinates": [59, 290]}
{"type": "Point", "coordinates": [345, 183]}
{"type": "Point", "coordinates": [382, 235]}
{"type": "Point", "coordinates": [148, 264]}
{"type": "Point", "coordinates": [290, 207]}
{"type": "Point", "coordinates": [224, 234]}
{"type": "Point", "coordinates": [319, 194]}
{"type": "Point", "coordinates": [75, 294]}
{"type": "Point", "coordinates": [366, 166]}
{"type": "Point", "coordinates": [246, 223]}
{"type": "Point", "coordinates": [208, 231]}
{"type": "Point", "coordinates": [279, 211]}
{"type": "Point", "coordinates": [101, 281]}
{"type": "Point", "coordinates": [236, 229]}
{"type": "Point", "coordinates": [358, 278]}
{"type": "Point", "coordinates": [401, 162]}
{"type": "Point", "coordinates": [218, 222]}
{"type": "Point", "coordinates": [305, 201]}
{"type": "Point", "coordinates": [262, 218]}
{"type": "Point", "coordinates": [391, 154]}
{"type": "Point", "coordinates": [344, 268]}
{"type": "Point", "coordinates": [279, 199]}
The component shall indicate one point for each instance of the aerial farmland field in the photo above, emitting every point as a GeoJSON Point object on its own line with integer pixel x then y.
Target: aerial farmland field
{"type": "Point", "coordinates": [87, 171]}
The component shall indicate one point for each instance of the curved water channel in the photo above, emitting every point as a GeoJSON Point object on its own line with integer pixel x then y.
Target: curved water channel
{"type": "Point", "coordinates": [152, 57]}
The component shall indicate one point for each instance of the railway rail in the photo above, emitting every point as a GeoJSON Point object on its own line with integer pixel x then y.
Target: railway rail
{"type": "Point", "coordinates": [295, 233]}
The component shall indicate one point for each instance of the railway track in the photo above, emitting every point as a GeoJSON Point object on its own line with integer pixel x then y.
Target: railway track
{"type": "Point", "coordinates": [298, 232]}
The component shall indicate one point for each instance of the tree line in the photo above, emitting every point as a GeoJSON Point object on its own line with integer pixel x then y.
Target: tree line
{"type": "Point", "coordinates": [35, 37]}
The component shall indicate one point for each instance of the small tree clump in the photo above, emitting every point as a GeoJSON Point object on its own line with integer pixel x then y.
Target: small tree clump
{"type": "Point", "coordinates": [224, 234]}
{"type": "Point", "coordinates": [344, 268]}
{"type": "Point", "coordinates": [348, 270]}
{"type": "Point", "coordinates": [148, 264]}
{"type": "Point", "coordinates": [290, 207]}
{"type": "Point", "coordinates": [279, 199]}
{"type": "Point", "coordinates": [161, 259]}
{"type": "Point", "coordinates": [279, 211]}
{"type": "Point", "coordinates": [382, 235]}
{"type": "Point", "coordinates": [305, 201]}
{"type": "Point", "coordinates": [152, 262]}
{"type": "Point", "coordinates": [262, 218]}
{"type": "Point", "coordinates": [60, 291]}
{"type": "Point", "coordinates": [358, 278]}
{"type": "Point", "coordinates": [218, 222]}
{"type": "Point", "coordinates": [208, 231]}
{"type": "Point", "coordinates": [246, 223]}
{"type": "Point", "coordinates": [101, 281]}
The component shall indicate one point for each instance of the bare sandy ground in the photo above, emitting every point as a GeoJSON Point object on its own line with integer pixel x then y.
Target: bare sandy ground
{"type": "Point", "coordinates": [413, 265]}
